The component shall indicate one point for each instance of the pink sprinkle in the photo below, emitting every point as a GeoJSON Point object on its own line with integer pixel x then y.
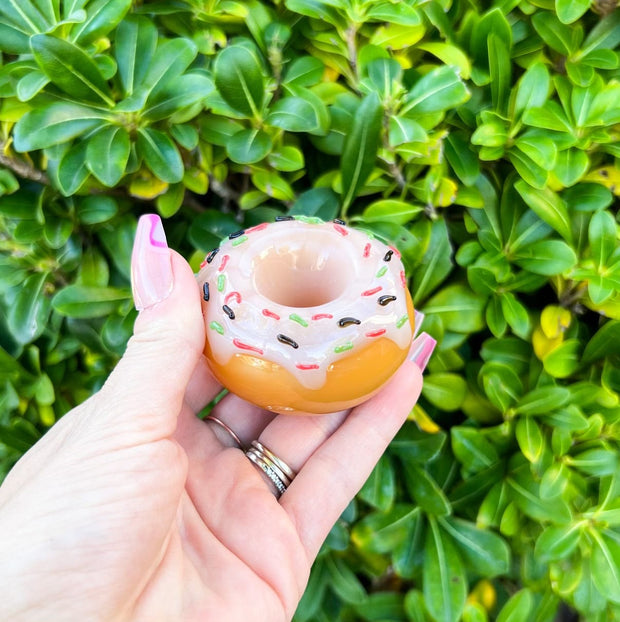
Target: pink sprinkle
{"type": "Point", "coordinates": [268, 313]}
{"type": "Point", "coordinates": [367, 250]}
{"type": "Point", "coordinates": [370, 292]}
{"type": "Point", "coordinates": [223, 264]}
{"type": "Point", "coordinates": [376, 333]}
{"type": "Point", "coordinates": [403, 279]}
{"type": "Point", "coordinates": [245, 346]}
{"type": "Point", "coordinates": [341, 230]}
{"type": "Point", "coordinates": [322, 316]}
{"type": "Point", "coordinates": [203, 264]}
{"type": "Point", "coordinates": [260, 227]}
{"type": "Point", "coordinates": [306, 367]}
{"type": "Point", "coordinates": [235, 295]}
{"type": "Point", "coordinates": [395, 251]}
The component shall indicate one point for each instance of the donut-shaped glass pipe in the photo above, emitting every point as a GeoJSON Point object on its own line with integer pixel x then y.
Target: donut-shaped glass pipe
{"type": "Point", "coordinates": [304, 316]}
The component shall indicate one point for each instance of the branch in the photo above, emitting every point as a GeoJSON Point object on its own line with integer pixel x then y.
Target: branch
{"type": "Point", "coordinates": [22, 168]}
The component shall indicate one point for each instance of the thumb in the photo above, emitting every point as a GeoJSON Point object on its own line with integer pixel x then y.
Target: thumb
{"type": "Point", "coordinates": [145, 391]}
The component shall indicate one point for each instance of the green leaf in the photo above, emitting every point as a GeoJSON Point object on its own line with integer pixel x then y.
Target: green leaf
{"type": "Point", "coordinates": [533, 89]}
{"type": "Point", "coordinates": [604, 35]}
{"type": "Point", "coordinates": [384, 532]}
{"type": "Point", "coordinates": [587, 197]}
{"type": "Point", "coordinates": [171, 59]}
{"type": "Point", "coordinates": [343, 581]}
{"type": "Point", "coordinates": [392, 210]}
{"type": "Point", "coordinates": [606, 566]}
{"type": "Point", "coordinates": [380, 488]}
{"type": "Point", "coordinates": [501, 383]}
{"type": "Point", "coordinates": [571, 165]}
{"type": "Point", "coordinates": [321, 202]}
{"type": "Point", "coordinates": [445, 390]}
{"type": "Point", "coordinates": [598, 461]}
{"type": "Point", "coordinates": [570, 11]}
{"type": "Point", "coordinates": [70, 69]}
{"type": "Point", "coordinates": [462, 159]}
{"type": "Point", "coordinates": [556, 35]}
{"type": "Point", "coordinates": [160, 155]}
{"type": "Point", "coordinates": [445, 584]}
{"type": "Point", "coordinates": [304, 71]}
{"type": "Point", "coordinates": [249, 146]}
{"type": "Point", "coordinates": [500, 71]}
{"type": "Point", "coordinates": [482, 549]}
{"type": "Point", "coordinates": [543, 400]}
{"type": "Point", "coordinates": [239, 79]}
{"type": "Point", "coordinates": [72, 169]}
{"type": "Point", "coordinates": [460, 310]}
{"type": "Point", "coordinates": [405, 130]}
{"type": "Point", "coordinates": [102, 16]}
{"type": "Point", "coordinates": [518, 608]}
{"type": "Point", "coordinates": [440, 89]}
{"type": "Point", "coordinates": [177, 95]}
{"type": "Point", "coordinates": [360, 148]}
{"type": "Point", "coordinates": [516, 315]}
{"type": "Point", "coordinates": [287, 159]}
{"type": "Point", "coordinates": [107, 154]}
{"type": "Point", "coordinates": [27, 315]}
{"type": "Point", "coordinates": [426, 492]}
{"type": "Point", "coordinates": [79, 301]}
{"type": "Point", "coordinates": [530, 438]}
{"type": "Point", "coordinates": [547, 257]}
{"type": "Point", "coordinates": [273, 185]}
{"type": "Point", "coordinates": [472, 449]}
{"type": "Point", "coordinates": [55, 124]}
{"type": "Point", "coordinates": [548, 206]}
{"type": "Point", "coordinates": [293, 114]}
{"type": "Point", "coordinates": [606, 342]}
{"type": "Point", "coordinates": [603, 237]}
{"type": "Point", "coordinates": [97, 209]}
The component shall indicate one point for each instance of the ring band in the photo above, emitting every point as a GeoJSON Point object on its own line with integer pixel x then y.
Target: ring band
{"type": "Point", "coordinates": [226, 428]}
{"type": "Point", "coordinates": [280, 474]}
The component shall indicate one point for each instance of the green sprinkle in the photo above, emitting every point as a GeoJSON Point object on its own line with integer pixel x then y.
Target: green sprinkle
{"type": "Point", "coordinates": [382, 271]}
{"type": "Point", "coordinates": [298, 319]}
{"type": "Point", "coordinates": [240, 240]}
{"type": "Point", "coordinates": [402, 321]}
{"type": "Point", "coordinates": [221, 281]}
{"type": "Point", "coordinates": [312, 220]}
{"type": "Point", "coordinates": [217, 327]}
{"type": "Point", "coordinates": [343, 348]}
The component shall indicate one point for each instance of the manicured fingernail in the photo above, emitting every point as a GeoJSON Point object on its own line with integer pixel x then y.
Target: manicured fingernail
{"type": "Point", "coordinates": [151, 268]}
{"type": "Point", "coordinates": [418, 318]}
{"type": "Point", "coordinates": [421, 350]}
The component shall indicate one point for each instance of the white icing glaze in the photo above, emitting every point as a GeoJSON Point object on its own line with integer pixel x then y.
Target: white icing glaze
{"type": "Point", "coordinates": [303, 272]}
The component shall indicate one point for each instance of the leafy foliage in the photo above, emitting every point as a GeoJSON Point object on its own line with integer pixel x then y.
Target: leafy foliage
{"type": "Point", "coordinates": [482, 141]}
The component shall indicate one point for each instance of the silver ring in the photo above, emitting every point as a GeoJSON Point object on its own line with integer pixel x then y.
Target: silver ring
{"type": "Point", "coordinates": [226, 428]}
{"type": "Point", "coordinates": [280, 474]}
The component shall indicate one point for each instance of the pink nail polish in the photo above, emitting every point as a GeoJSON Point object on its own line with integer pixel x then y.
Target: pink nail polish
{"type": "Point", "coordinates": [421, 350]}
{"type": "Point", "coordinates": [418, 318]}
{"type": "Point", "coordinates": [151, 268]}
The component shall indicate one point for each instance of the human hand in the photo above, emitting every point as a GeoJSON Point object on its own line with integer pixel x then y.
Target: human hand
{"type": "Point", "coordinates": [132, 508]}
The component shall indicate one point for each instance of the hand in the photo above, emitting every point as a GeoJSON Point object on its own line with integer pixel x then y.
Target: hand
{"type": "Point", "coordinates": [132, 508]}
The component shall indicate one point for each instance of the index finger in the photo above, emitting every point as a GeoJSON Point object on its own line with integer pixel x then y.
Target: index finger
{"type": "Point", "coordinates": [338, 469]}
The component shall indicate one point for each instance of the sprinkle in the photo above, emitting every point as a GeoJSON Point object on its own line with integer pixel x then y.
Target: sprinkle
{"type": "Point", "coordinates": [288, 341]}
{"type": "Point", "coordinates": [385, 300]}
{"type": "Point", "coordinates": [395, 251]}
{"type": "Point", "coordinates": [229, 312]}
{"type": "Point", "coordinates": [271, 314]}
{"type": "Point", "coordinates": [240, 240]}
{"type": "Point", "coordinates": [255, 228]}
{"type": "Point", "coordinates": [371, 292]}
{"type": "Point", "coordinates": [212, 254]}
{"type": "Point", "coordinates": [376, 333]}
{"type": "Point", "coordinates": [311, 220]}
{"type": "Point", "coordinates": [217, 327]}
{"type": "Point", "coordinates": [203, 264]}
{"type": "Point", "coordinates": [346, 321]}
{"type": "Point", "coordinates": [322, 316]}
{"type": "Point", "coordinates": [236, 234]}
{"type": "Point", "coordinates": [298, 319]}
{"type": "Point", "coordinates": [221, 281]}
{"type": "Point", "coordinates": [284, 218]}
{"type": "Point", "coordinates": [225, 259]}
{"type": "Point", "coordinates": [245, 346]}
{"type": "Point", "coordinates": [388, 255]}
{"type": "Point", "coordinates": [402, 321]}
{"type": "Point", "coordinates": [341, 230]}
{"type": "Point", "coordinates": [367, 250]}
{"type": "Point", "coordinates": [338, 221]}
{"type": "Point", "coordinates": [344, 347]}
{"type": "Point", "coordinates": [205, 291]}
{"type": "Point", "coordinates": [235, 295]}
{"type": "Point", "coordinates": [306, 367]}
{"type": "Point", "coordinates": [382, 272]}
{"type": "Point", "coordinates": [403, 279]}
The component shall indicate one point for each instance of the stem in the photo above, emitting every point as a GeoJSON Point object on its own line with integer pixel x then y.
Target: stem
{"type": "Point", "coordinates": [22, 168]}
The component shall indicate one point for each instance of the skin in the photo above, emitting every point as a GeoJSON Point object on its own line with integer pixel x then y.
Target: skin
{"type": "Point", "coordinates": [132, 508]}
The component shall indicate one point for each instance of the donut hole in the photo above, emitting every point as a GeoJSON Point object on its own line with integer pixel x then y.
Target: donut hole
{"type": "Point", "coordinates": [307, 275]}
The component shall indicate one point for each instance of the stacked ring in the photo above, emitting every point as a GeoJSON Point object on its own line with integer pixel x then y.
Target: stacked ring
{"type": "Point", "coordinates": [280, 474]}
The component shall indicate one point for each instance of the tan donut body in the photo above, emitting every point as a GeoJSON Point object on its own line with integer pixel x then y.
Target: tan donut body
{"type": "Point", "coordinates": [305, 316]}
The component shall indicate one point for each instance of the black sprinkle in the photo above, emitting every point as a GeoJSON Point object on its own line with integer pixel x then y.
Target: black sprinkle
{"type": "Point", "coordinates": [229, 312]}
{"type": "Point", "coordinates": [385, 300]}
{"type": "Point", "coordinates": [339, 222]}
{"type": "Point", "coordinates": [388, 256]}
{"type": "Point", "coordinates": [212, 254]}
{"type": "Point", "coordinates": [346, 321]}
{"type": "Point", "coordinates": [205, 291]}
{"type": "Point", "coordinates": [288, 341]}
{"type": "Point", "coordinates": [236, 234]}
{"type": "Point", "coordinates": [283, 218]}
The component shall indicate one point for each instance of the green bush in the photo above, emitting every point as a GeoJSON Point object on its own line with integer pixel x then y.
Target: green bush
{"type": "Point", "coordinates": [479, 138]}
